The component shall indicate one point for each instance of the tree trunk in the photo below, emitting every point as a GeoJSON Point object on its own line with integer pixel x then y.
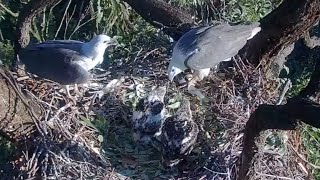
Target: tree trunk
{"type": "Point", "coordinates": [282, 27]}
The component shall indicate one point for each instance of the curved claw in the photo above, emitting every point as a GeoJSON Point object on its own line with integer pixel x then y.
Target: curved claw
{"type": "Point", "coordinates": [76, 90]}
{"type": "Point", "coordinates": [69, 97]}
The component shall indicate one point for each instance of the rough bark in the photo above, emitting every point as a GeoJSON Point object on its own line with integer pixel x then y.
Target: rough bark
{"type": "Point", "coordinates": [18, 115]}
{"type": "Point", "coordinates": [174, 21]}
{"type": "Point", "coordinates": [27, 14]}
{"type": "Point", "coordinates": [283, 26]}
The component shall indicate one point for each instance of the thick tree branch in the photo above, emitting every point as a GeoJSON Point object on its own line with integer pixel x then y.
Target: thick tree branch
{"type": "Point", "coordinates": [283, 26]}
{"type": "Point", "coordinates": [305, 107]}
{"type": "Point", "coordinates": [277, 119]}
{"type": "Point", "coordinates": [174, 21]}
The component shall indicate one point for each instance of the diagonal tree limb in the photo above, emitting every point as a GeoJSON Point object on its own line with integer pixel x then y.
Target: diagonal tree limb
{"type": "Point", "coordinates": [174, 21]}
{"type": "Point", "coordinates": [305, 108]}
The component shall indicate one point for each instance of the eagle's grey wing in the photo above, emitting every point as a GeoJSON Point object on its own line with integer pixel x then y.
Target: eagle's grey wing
{"type": "Point", "coordinates": [66, 44]}
{"type": "Point", "coordinates": [56, 64]}
{"type": "Point", "coordinates": [186, 44]}
{"type": "Point", "coordinates": [216, 44]}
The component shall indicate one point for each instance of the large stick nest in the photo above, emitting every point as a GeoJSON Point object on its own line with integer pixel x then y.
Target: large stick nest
{"type": "Point", "coordinates": [92, 138]}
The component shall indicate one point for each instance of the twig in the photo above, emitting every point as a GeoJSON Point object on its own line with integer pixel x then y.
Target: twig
{"type": "Point", "coordinates": [9, 11]}
{"type": "Point", "coordinates": [50, 13]}
{"type": "Point", "coordinates": [147, 54]}
{"type": "Point", "coordinates": [135, 59]}
{"type": "Point", "coordinates": [220, 173]}
{"type": "Point", "coordinates": [285, 89]}
{"type": "Point", "coordinates": [60, 110]}
{"type": "Point", "coordinates": [68, 20]}
{"type": "Point", "coordinates": [39, 100]}
{"type": "Point", "coordinates": [35, 32]}
{"type": "Point", "coordinates": [80, 25]}
{"type": "Point", "coordinates": [273, 176]}
{"type": "Point", "coordinates": [64, 16]}
{"type": "Point", "coordinates": [303, 159]}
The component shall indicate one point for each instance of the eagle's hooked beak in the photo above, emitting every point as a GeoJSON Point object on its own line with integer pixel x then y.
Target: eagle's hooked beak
{"type": "Point", "coordinates": [173, 71]}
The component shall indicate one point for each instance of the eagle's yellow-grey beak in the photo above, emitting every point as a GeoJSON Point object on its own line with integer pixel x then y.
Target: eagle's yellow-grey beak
{"type": "Point", "coordinates": [173, 71]}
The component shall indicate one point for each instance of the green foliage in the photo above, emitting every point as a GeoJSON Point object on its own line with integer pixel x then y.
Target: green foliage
{"type": "Point", "coordinates": [299, 84]}
{"type": "Point", "coordinates": [6, 149]}
{"type": "Point", "coordinates": [230, 11]}
{"type": "Point", "coordinates": [142, 37]}
{"type": "Point", "coordinates": [311, 140]}
{"type": "Point", "coordinates": [249, 11]}
{"type": "Point", "coordinates": [6, 52]}
{"type": "Point", "coordinates": [70, 19]}
{"type": "Point", "coordinates": [100, 124]}
{"type": "Point", "coordinates": [112, 16]}
{"type": "Point", "coordinates": [275, 142]}
{"type": "Point", "coordinates": [300, 70]}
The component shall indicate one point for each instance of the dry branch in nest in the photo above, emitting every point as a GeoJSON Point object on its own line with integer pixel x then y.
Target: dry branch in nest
{"type": "Point", "coordinates": [302, 108]}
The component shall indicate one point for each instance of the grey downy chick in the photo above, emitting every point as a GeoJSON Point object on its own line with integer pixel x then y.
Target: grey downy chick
{"type": "Point", "coordinates": [149, 116]}
{"type": "Point", "coordinates": [179, 134]}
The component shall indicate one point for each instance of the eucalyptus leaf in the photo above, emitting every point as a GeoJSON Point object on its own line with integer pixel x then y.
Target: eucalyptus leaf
{"type": "Point", "coordinates": [100, 138]}
{"type": "Point", "coordinates": [174, 105]}
{"type": "Point", "coordinates": [88, 123]}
